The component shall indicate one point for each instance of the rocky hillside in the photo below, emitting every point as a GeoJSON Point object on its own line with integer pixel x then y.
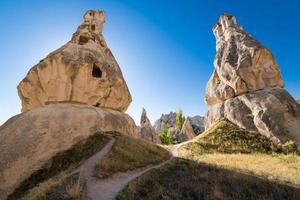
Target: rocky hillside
{"type": "Point", "coordinates": [197, 122]}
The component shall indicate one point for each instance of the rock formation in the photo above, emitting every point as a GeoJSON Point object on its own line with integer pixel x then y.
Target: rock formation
{"type": "Point", "coordinates": [197, 122]}
{"type": "Point", "coordinates": [146, 130]}
{"type": "Point", "coordinates": [187, 130]}
{"type": "Point", "coordinates": [84, 71]}
{"type": "Point", "coordinates": [246, 86]}
{"type": "Point", "coordinates": [73, 94]}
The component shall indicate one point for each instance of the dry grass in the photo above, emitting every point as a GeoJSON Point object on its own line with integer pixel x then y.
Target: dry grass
{"type": "Point", "coordinates": [128, 154]}
{"type": "Point", "coordinates": [278, 167]}
{"type": "Point", "coordinates": [41, 190]}
{"type": "Point", "coordinates": [186, 179]}
{"type": "Point", "coordinates": [74, 189]}
{"type": "Point", "coordinates": [224, 137]}
{"type": "Point", "coordinates": [45, 179]}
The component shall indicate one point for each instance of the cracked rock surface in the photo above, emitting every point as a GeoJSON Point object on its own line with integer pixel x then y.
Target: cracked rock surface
{"type": "Point", "coordinates": [84, 70]}
{"type": "Point", "coordinates": [246, 86]}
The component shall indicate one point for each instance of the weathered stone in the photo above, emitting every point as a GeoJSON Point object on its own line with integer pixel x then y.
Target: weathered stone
{"type": "Point", "coordinates": [170, 119]}
{"type": "Point", "coordinates": [146, 130]}
{"type": "Point", "coordinates": [241, 64]}
{"type": "Point", "coordinates": [197, 123]}
{"type": "Point", "coordinates": [187, 130]}
{"type": "Point", "coordinates": [30, 139]}
{"type": "Point", "coordinates": [246, 86]}
{"type": "Point", "coordinates": [84, 71]}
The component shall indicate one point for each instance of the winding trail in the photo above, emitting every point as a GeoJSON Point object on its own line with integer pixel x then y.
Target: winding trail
{"type": "Point", "coordinates": [108, 189]}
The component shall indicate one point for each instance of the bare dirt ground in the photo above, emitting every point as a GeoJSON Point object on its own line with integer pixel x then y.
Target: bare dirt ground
{"type": "Point", "coordinates": [107, 189]}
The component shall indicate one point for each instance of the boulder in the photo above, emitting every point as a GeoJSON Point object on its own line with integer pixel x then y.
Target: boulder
{"type": "Point", "coordinates": [30, 139]}
{"type": "Point", "coordinates": [246, 86]}
{"type": "Point", "coordinates": [83, 71]}
{"type": "Point", "coordinates": [146, 129]}
{"type": "Point", "coordinates": [187, 130]}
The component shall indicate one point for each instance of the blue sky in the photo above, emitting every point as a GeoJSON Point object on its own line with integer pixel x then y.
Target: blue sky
{"type": "Point", "coordinates": [165, 48]}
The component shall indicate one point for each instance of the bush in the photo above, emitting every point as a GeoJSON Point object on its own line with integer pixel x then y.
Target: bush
{"type": "Point", "coordinates": [289, 147]}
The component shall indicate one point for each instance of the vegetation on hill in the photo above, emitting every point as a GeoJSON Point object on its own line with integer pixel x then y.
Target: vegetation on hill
{"type": "Point", "coordinates": [225, 137]}
{"type": "Point", "coordinates": [225, 162]}
{"type": "Point", "coordinates": [128, 154]}
{"type": "Point", "coordinates": [186, 179]}
{"type": "Point", "coordinates": [62, 162]}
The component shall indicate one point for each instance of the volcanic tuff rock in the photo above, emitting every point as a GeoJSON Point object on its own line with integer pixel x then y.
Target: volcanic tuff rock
{"type": "Point", "coordinates": [84, 70]}
{"type": "Point", "coordinates": [147, 131]}
{"type": "Point", "coordinates": [29, 140]}
{"type": "Point", "coordinates": [73, 94]}
{"type": "Point", "coordinates": [246, 86]}
{"type": "Point", "coordinates": [187, 130]}
{"type": "Point", "coordinates": [197, 122]}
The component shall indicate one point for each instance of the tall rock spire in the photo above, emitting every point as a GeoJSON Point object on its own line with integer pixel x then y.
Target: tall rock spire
{"type": "Point", "coordinates": [147, 131]}
{"type": "Point", "coordinates": [246, 86]}
{"type": "Point", "coordinates": [83, 71]}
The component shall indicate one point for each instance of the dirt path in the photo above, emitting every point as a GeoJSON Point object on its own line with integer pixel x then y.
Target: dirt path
{"type": "Point", "coordinates": [107, 189]}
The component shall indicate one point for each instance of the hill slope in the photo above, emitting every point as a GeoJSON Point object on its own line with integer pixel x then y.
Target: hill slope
{"type": "Point", "coordinates": [225, 162]}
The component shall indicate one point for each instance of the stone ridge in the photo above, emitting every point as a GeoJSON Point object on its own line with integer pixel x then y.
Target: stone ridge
{"type": "Point", "coordinates": [83, 71]}
{"type": "Point", "coordinates": [241, 64]}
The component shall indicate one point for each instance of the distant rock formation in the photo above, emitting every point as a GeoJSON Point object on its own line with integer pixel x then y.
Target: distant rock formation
{"type": "Point", "coordinates": [187, 130]}
{"type": "Point", "coordinates": [146, 129]}
{"type": "Point", "coordinates": [246, 86]}
{"type": "Point", "coordinates": [73, 94]}
{"type": "Point", "coordinates": [169, 119]}
{"type": "Point", "coordinates": [84, 71]}
{"type": "Point", "coordinates": [197, 122]}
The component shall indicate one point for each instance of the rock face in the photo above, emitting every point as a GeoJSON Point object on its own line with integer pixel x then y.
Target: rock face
{"type": "Point", "coordinates": [72, 94]}
{"type": "Point", "coordinates": [84, 71]}
{"type": "Point", "coordinates": [246, 86]}
{"type": "Point", "coordinates": [28, 140]}
{"type": "Point", "coordinates": [147, 131]}
{"type": "Point", "coordinates": [169, 119]}
{"type": "Point", "coordinates": [197, 122]}
{"type": "Point", "coordinates": [187, 130]}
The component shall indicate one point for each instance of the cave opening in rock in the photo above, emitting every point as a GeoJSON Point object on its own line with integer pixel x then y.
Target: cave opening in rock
{"type": "Point", "coordinates": [83, 39]}
{"type": "Point", "coordinates": [93, 27]}
{"type": "Point", "coordinates": [97, 73]}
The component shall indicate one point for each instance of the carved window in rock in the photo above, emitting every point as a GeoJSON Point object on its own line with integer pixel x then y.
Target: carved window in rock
{"type": "Point", "coordinates": [96, 72]}
{"type": "Point", "coordinates": [83, 40]}
{"type": "Point", "coordinates": [93, 27]}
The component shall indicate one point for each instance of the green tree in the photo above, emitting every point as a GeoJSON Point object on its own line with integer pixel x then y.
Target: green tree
{"type": "Point", "coordinates": [164, 134]}
{"type": "Point", "coordinates": [179, 120]}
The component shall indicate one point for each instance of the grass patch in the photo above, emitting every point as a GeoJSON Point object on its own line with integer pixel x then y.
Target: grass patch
{"type": "Point", "coordinates": [276, 167]}
{"type": "Point", "coordinates": [186, 179]}
{"type": "Point", "coordinates": [62, 161]}
{"type": "Point", "coordinates": [128, 154]}
{"type": "Point", "coordinates": [225, 137]}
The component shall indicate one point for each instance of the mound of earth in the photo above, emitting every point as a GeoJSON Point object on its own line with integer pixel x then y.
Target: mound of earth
{"type": "Point", "coordinates": [225, 137]}
{"type": "Point", "coordinates": [29, 140]}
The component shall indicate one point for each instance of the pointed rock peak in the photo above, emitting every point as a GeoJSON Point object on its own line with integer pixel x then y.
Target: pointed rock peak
{"type": "Point", "coordinates": [187, 130]}
{"type": "Point", "coordinates": [91, 29]}
{"type": "Point", "coordinates": [241, 64]}
{"type": "Point", "coordinates": [82, 71]}
{"type": "Point", "coordinates": [144, 118]}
